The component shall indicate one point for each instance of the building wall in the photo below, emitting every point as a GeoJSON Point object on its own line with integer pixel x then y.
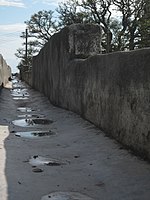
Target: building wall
{"type": "Point", "coordinates": [112, 90]}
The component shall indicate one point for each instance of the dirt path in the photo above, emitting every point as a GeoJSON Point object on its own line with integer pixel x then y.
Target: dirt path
{"type": "Point", "coordinates": [70, 160]}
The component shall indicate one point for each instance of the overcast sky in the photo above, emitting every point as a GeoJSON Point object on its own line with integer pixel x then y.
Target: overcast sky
{"type": "Point", "coordinates": [13, 13]}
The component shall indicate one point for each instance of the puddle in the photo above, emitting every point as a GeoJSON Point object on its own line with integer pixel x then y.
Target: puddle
{"type": "Point", "coordinates": [39, 160]}
{"type": "Point", "coordinates": [42, 121]}
{"type": "Point", "coordinates": [18, 89]}
{"type": "Point", "coordinates": [20, 98]}
{"type": "Point", "coordinates": [31, 122]}
{"type": "Point", "coordinates": [35, 134]}
{"type": "Point", "coordinates": [23, 122]}
{"type": "Point", "coordinates": [19, 93]}
{"type": "Point", "coordinates": [25, 109]}
{"type": "Point", "coordinates": [31, 116]}
{"type": "Point", "coordinates": [14, 81]}
{"type": "Point", "coordinates": [18, 86]}
{"type": "Point", "coordinates": [66, 196]}
{"type": "Point", "coordinates": [15, 86]}
{"type": "Point", "coordinates": [37, 170]}
{"type": "Point", "coordinates": [14, 94]}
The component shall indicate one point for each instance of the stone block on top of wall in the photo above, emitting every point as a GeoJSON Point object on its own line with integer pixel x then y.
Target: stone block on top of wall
{"type": "Point", "coordinates": [84, 40]}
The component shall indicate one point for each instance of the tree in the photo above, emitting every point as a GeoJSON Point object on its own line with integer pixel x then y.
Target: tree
{"type": "Point", "coordinates": [88, 11]}
{"type": "Point", "coordinates": [31, 51]}
{"type": "Point", "coordinates": [115, 26]}
{"type": "Point", "coordinates": [70, 12]}
{"type": "Point", "coordinates": [131, 30]}
{"type": "Point", "coordinates": [144, 26]}
{"type": "Point", "coordinates": [40, 28]}
{"type": "Point", "coordinates": [101, 12]}
{"type": "Point", "coordinates": [131, 11]}
{"type": "Point", "coordinates": [122, 33]}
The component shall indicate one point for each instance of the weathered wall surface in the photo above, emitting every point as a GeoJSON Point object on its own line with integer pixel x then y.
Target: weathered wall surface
{"type": "Point", "coordinates": [25, 75]}
{"type": "Point", "coordinates": [112, 90]}
{"type": "Point", "coordinates": [5, 71]}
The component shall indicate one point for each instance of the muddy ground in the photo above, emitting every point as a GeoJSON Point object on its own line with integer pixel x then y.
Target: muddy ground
{"type": "Point", "coordinates": [62, 158]}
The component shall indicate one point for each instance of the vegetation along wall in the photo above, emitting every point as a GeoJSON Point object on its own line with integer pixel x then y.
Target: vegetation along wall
{"type": "Point", "coordinates": [110, 90]}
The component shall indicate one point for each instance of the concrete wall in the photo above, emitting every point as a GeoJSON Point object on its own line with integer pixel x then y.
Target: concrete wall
{"type": "Point", "coordinates": [112, 90]}
{"type": "Point", "coordinates": [5, 71]}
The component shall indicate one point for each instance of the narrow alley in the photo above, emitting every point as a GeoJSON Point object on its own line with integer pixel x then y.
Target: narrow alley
{"type": "Point", "coordinates": [49, 153]}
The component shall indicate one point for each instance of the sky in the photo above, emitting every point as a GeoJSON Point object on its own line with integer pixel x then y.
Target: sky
{"type": "Point", "coordinates": [13, 14]}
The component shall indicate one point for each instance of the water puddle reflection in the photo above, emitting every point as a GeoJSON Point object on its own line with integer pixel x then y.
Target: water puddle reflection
{"type": "Point", "coordinates": [19, 93]}
{"type": "Point", "coordinates": [18, 86]}
{"type": "Point", "coordinates": [42, 121]}
{"type": "Point", "coordinates": [35, 134]}
{"type": "Point", "coordinates": [39, 160]}
{"type": "Point", "coordinates": [66, 196]}
{"type": "Point", "coordinates": [31, 116]}
{"type": "Point", "coordinates": [20, 98]}
{"type": "Point", "coordinates": [31, 122]}
{"type": "Point", "coordinates": [25, 109]}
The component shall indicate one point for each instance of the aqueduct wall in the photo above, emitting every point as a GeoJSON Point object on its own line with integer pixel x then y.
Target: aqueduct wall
{"type": "Point", "coordinates": [112, 90]}
{"type": "Point", "coordinates": [5, 71]}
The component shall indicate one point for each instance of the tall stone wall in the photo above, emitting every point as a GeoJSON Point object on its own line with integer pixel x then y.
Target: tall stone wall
{"type": "Point", "coordinates": [112, 90]}
{"type": "Point", "coordinates": [5, 71]}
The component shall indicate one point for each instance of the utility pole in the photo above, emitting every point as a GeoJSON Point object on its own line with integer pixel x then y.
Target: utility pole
{"type": "Point", "coordinates": [26, 48]}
